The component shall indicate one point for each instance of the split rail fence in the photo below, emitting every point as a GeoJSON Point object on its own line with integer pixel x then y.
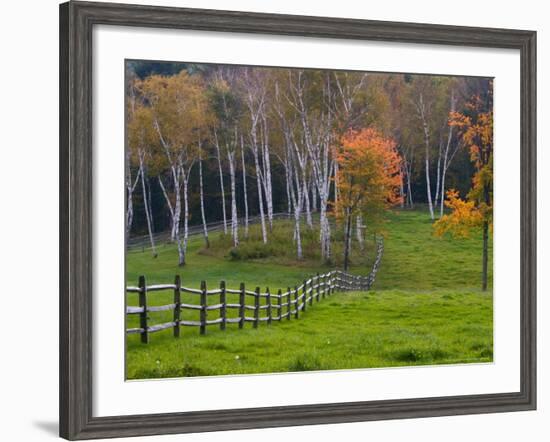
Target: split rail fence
{"type": "Point", "coordinates": [275, 306]}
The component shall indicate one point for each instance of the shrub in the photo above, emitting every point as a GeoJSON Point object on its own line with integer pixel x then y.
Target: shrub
{"type": "Point", "coordinates": [254, 250]}
{"type": "Point", "coordinates": [281, 245]}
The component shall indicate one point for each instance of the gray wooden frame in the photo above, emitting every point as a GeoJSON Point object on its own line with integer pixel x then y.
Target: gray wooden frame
{"type": "Point", "coordinates": [76, 243]}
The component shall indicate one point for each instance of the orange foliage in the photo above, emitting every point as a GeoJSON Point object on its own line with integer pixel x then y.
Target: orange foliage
{"type": "Point", "coordinates": [475, 127]}
{"type": "Point", "coordinates": [369, 174]}
{"type": "Point", "coordinates": [463, 217]}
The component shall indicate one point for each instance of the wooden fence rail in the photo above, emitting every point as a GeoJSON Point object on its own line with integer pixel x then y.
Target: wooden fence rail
{"type": "Point", "coordinates": [288, 304]}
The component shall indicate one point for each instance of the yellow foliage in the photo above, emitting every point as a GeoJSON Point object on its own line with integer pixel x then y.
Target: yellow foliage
{"type": "Point", "coordinates": [464, 216]}
{"type": "Point", "coordinates": [475, 127]}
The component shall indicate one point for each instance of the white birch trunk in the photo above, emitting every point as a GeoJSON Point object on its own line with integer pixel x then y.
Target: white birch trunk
{"type": "Point", "coordinates": [201, 190]}
{"type": "Point", "coordinates": [267, 172]}
{"type": "Point", "coordinates": [428, 186]}
{"type": "Point", "coordinates": [359, 232]}
{"type": "Point", "coordinates": [260, 192]}
{"type": "Point", "coordinates": [245, 192]}
{"type": "Point", "coordinates": [318, 149]}
{"type": "Point", "coordinates": [234, 219]}
{"type": "Point", "coordinates": [325, 228]}
{"type": "Point", "coordinates": [442, 200]}
{"type": "Point", "coordinates": [427, 156]}
{"type": "Point", "coordinates": [130, 188]}
{"type": "Point", "coordinates": [176, 222]}
{"type": "Point", "coordinates": [409, 191]}
{"type": "Point", "coordinates": [167, 199]}
{"type": "Point", "coordinates": [255, 103]}
{"type": "Point", "coordinates": [183, 249]}
{"type": "Point", "coordinates": [438, 174]}
{"type": "Point", "coordinates": [447, 159]}
{"type": "Point", "coordinates": [336, 183]}
{"type": "Point", "coordinates": [150, 200]}
{"type": "Point", "coordinates": [129, 210]}
{"type": "Point", "coordinates": [146, 206]}
{"type": "Point", "coordinates": [409, 187]}
{"type": "Point", "coordinates": [297, 203]}
{"type": "Point", "coordinates": [305, 193]}
{"type": "Point", "coordinates": [402, 188]}
{"type": "Point", "coordinates": [313, 196]}
{"type": "Point", "coordinates": [289, 203]}
{"type": "Point", "coordinates": [175, 210]}
{"type": "Point", "coordinates": [221, 184]}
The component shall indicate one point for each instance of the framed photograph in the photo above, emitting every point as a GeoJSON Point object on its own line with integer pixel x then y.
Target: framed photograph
{"type": "Point", "coordinates": [272, 220]}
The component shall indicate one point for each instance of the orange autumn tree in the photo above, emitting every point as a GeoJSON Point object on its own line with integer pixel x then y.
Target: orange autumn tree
{"type": "Point", "coordinates": [475, 127]}
{"type": "Point", "coordinates": [369, 176]}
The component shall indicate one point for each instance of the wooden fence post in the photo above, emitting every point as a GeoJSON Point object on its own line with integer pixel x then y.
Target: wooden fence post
{"type": "Point", "coordinates": [143, 314]}
{"type": "Point", "coordinates": [311, 295]}
{"type": "Point", "coordinates": [256, 307]}
{"type": "Point", "coordinates": [177, 306]}
{"type": "Point", "coordinates": [241, 305]}
{"type": "Point", "coordinates": [268, 302]}
{"type": "Point", "coordinates": [318, 286]}
{"type": "Point", "coordinates": [203, 308]}
{"type": "Point", "coordinates": [304, 292]}
{"type": "Point", "coordinates": [280, 307]}
{"type": "Point", "coordinates": [324, 293]}
{"type": "Point", "coordinates": [296, 310]}
{"type": "Point", "coordinates": [223, 308]}
{"type": "Point", "coordinates": [288, 305]}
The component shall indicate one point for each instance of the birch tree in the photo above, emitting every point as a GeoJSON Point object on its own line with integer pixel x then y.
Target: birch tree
{"type": "Point", "coordinates": [178, 112]}
{"type": "Point", "coordinates": [403, 126]}
{"type": "Point", "coordinates": [297, 195]}
{"type": "Point", "coordinates": [140, 140]}
{"type": "Point", "coordinates": [312, 95]}
{"type": "Point", "coordinates": [130, 183]}
{"type": "Point", "coordinates": [228, 109]}
{"type": "Point", "coordinates": [449, 153]}
{"type": "Point", "coordinates": [201, 194]}
{"type": "Point", "coordinates": [222, 190]}
{"type": "Point", "coordinates": [266, 163]}
{"type": "Point", "coordinates": [423, 101]}
{"type": "Point", "coordinates": [245, 191]}
{"type": "Point", "coordinates": [282, 144]}
{"type": "Point", "coordinates": [292, 156]}
{"type": "Point", "coordinates": [255, 95]}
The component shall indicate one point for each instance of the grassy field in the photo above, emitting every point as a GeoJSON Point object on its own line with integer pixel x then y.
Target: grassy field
{"type": "Point", "coordinates": [425, 308]}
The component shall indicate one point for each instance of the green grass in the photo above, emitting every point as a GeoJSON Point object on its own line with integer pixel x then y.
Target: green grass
{"type": "Point", "coordinates": [425, 307]}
